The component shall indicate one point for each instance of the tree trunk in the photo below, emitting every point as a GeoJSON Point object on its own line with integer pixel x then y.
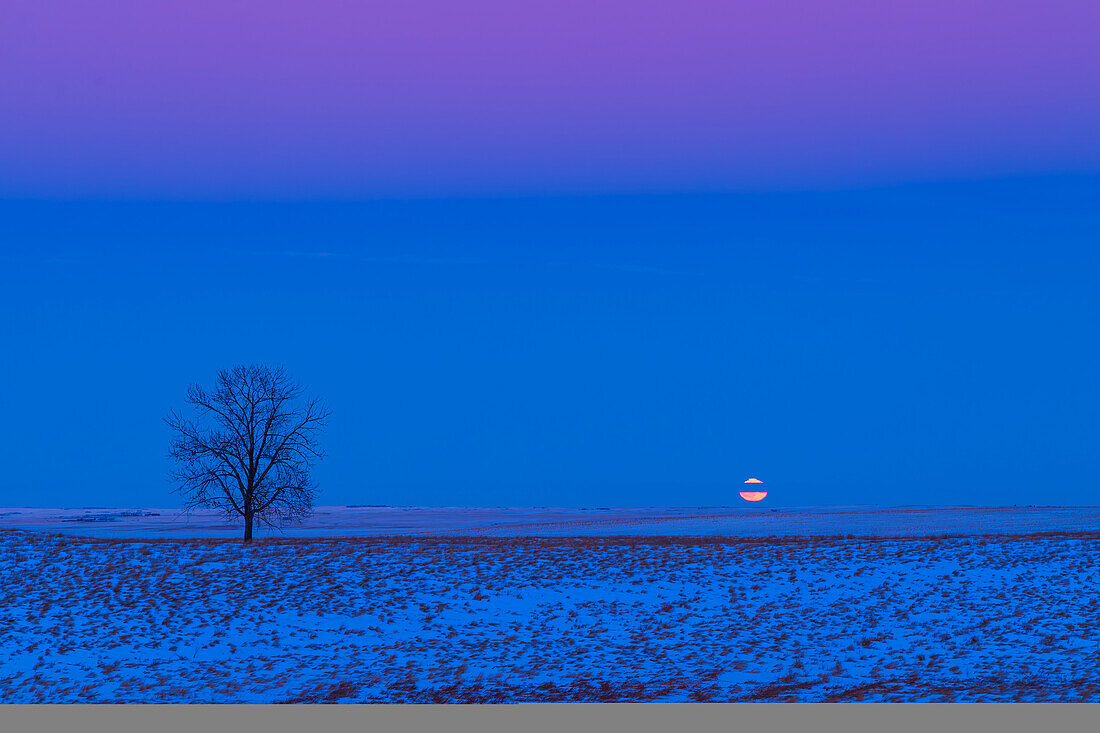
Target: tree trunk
{"type": "Point", "coordinates": [248, 527]}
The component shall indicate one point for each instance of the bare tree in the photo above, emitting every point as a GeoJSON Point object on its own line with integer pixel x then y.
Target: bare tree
{"type": "Point", "coordinates": [250, 447]}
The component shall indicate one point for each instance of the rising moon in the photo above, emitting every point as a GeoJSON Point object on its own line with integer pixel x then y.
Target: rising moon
{"type": "Point", "coordinates": [754, 495]}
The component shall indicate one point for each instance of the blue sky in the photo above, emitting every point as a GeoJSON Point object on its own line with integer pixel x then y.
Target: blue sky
{"type": "Point", "coordinates": [929, 343]}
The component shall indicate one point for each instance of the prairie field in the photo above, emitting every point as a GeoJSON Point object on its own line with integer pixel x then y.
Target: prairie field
{"type": "Point", "coordinates": [976, 617]}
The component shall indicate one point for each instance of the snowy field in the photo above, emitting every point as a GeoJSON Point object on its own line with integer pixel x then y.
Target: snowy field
{"type": "Point", "coordinates": [957, 614]}
{"type": "Point", "coordinates": [741, 521]}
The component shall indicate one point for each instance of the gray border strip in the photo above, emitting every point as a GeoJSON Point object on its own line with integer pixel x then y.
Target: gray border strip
{"type": "Point", "coordinates": [557, 717]}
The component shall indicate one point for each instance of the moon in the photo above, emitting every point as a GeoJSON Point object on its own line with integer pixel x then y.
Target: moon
{"type": "Point", "coordinates": [754, 495]}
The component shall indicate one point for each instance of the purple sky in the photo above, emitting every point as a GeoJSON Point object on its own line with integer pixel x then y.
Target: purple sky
{"type": "Point", "coordinates": [243, 98]}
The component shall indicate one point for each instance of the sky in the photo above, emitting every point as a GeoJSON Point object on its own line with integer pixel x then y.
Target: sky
{"type": "Point", "coordinates": [349, 99]}
{"type": "Point", "coordinates": [573, 254]}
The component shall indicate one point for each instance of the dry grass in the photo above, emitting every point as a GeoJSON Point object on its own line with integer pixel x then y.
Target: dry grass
{"type": "Point", "coordinates": [494, 619]}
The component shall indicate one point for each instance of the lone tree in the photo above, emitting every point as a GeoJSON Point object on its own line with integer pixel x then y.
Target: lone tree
{"type": "Point", "coordinates": [250, 447]}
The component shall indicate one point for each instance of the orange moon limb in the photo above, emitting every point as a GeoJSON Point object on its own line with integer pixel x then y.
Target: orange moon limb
{"type": "Point", "coordinates": [753, 495]}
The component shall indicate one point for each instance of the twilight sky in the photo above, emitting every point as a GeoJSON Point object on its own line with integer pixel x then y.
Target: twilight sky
{"type": "Point", "coordinates": [341, 98]}
{"type": "Point", "coordinates": [577, 253]}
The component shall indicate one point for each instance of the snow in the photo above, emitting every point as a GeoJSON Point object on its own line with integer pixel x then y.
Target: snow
{"type": "Point", "coordinates": [1004, 608]}
{"type": "Point", "coordinates": [740, 521]}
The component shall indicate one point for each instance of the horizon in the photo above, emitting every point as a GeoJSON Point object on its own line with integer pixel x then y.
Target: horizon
{"type": "Point", "coordinates": [747, 506]}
